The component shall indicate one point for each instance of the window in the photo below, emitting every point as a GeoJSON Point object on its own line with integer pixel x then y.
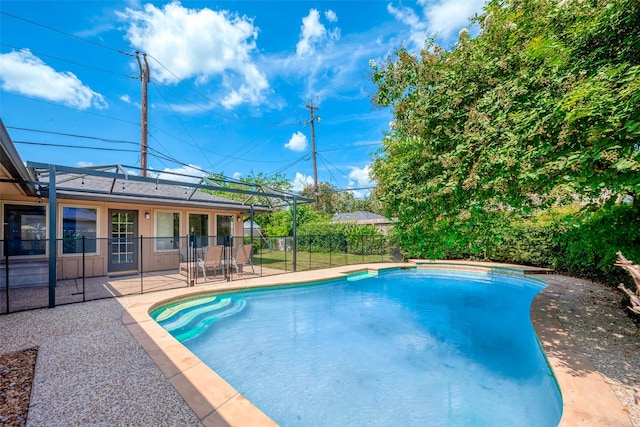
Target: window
{"type": "Point", "coordinates": [199, 227]}
{"type": "Point", "coordinates": [25, 229]}
{"type": "Point", "coordinates": [76, 224]}
{"type": "Point", "coordinates": [224, 228]}
{"type": "Point", "coordinates": [167, 231]}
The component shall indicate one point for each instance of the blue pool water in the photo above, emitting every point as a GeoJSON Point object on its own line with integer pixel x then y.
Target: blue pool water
{"type": "Point", "coordinates": [403, 348]}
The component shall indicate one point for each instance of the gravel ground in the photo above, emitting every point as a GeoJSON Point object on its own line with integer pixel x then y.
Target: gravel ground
{"type": "Point", "coordinates": [91, 371]}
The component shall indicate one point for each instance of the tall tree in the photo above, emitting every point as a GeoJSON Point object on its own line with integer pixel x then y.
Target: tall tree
{"type": "Point", "coordinates": [330, 201]}
{"type": "Point", "coordinates": [544, 102]}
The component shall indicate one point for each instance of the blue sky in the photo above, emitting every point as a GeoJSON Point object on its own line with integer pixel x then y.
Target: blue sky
{"type": "Point", "coordinates": [230, 81]}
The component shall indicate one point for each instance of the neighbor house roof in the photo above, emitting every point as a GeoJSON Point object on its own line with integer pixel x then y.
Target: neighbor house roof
{"type": "Point", "coordinates": [358, 216]}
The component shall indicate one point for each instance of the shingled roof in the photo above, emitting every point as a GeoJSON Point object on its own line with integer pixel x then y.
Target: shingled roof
{"type": "Point", "coordinates": [116, 183]}
{"type": "Point", "coordinates": [357, 216]}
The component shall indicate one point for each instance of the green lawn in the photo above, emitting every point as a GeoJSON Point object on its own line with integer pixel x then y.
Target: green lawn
{"type": "Point", "coordinates": [282, 260]}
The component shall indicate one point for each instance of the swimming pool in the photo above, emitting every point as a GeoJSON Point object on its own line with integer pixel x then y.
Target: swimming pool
{"type": "Point", "coordinates": [401, 348]}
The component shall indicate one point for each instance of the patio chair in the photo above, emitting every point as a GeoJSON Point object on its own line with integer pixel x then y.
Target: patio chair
{"type": "Point", "coordinates": [243, 255]}
{"type": "Point", "coordinates": [212, 260]}
{"type": "Point", "coordinates": [186, 255]}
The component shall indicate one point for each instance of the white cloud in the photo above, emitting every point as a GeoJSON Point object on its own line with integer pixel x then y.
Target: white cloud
{"type": "Point", "coordinates": [417, 27]}
{"type": "Point", "coordinates": [237, 175]}
{"type": "Point", "coordinates": [126, 98]}
{"type": "Point", "coordinates": [360, 176]}
{"type": "Point", "coordinates": [24, 73]}
{"type": "Point", "coordinates": [84, 164]}
{"type": "Point", "coordinates": [300, 182]}
{"type": "Point", "coordinates": [190, 43]}
{"type": "Point", "coordinates": [297, 142]}
{"type": "Point", "coordinates": [447, 16]}
{"type": "Point", "coordinates": [331, 16]}
{"type": "Point", "coordinates": [188, 174]}
{"type": "Point", "coordinates": [443, 18]}
{"type": "Point", "coordinates": [313, 33]}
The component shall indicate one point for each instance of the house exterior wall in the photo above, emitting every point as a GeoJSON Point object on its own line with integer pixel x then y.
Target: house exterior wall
{"type": "Point", "coordinates": [96, 263]}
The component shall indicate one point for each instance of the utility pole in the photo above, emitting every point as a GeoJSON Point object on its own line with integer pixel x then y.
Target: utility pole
{"type": "Point", "coordinates": [313, 151]}
{"type": "Point", "coordinates": [145, 77]}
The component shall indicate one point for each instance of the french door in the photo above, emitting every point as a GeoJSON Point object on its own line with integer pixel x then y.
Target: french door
{"type": "Point", "coordinates": [123, 243]}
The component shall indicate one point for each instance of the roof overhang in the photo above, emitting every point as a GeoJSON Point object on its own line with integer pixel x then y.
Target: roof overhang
{"type": "Point", "coordinates": [12, 163]}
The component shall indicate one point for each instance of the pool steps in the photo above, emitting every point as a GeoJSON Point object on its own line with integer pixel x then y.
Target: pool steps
{"type": "Point", "coordinates": [189, 319]}
{"type": "Point", "coordinates": [362, 275]}
{"type": "Point", "coordinates": [171, 310]}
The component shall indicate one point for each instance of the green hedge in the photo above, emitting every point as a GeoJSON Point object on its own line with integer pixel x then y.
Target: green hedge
{"type": "Point", "coordinates": [566, 239]}
{"type": "Point", "coordinates": [589, 250]}
{"type": "Point", "coordinates": [338, 237]}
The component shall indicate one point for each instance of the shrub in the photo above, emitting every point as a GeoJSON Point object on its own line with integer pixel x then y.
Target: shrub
{"type": "Point", "coordinates": [341, 237]}
{"type": "Point", "coordinates": [582, 244]}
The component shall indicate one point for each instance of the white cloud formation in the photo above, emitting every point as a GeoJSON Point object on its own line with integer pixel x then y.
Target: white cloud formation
{"type": "Point", "coordinates": [190, 43]}
{"type": "Point", "coordinates": [417, 27]}
{"type": "Point", "coordinates": [443, 18]}
{"type": "Point", "coordinates": [300, 182]}
{"type": "Point", "coordinates": [84, 164]}
{"type": "Point", "coordinates": [24, 73]}
{"type": "Point", "coordinates": [313, 33]}
{"type": "Point", "coordinates": [188, 174]}
{"type": "Point", "coordinates": [447, 16]}
{"type": "Point", "coordinates": [331, 16]}
{"type": "Point", "coordinates": [237, 175]}
{"type": "Point", "coordinates": [360, 178]}
{"type": "Point", "coordinates": [297, 142]}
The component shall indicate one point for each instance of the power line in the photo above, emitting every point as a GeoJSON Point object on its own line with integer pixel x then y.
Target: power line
{"type": "Point", "coordinates": [71, 135]}
{"type": "Point", "coordinates": [44, 144]}
{"type": "Point", "coordinates": [325, 161]}
{"type": "Point", "coordinates": [251, 145]}
{"type": "Point", "coordinates": [282, 169]}
{"type": "Point", "coordinates": [75, 109]}
{"type": "Point", "coordinates": [66, 34]}
{"type": "Point", "coordinates": [329, 171]}
{"type": "Point", "coordinates": [350, 147]}
{"type": "Point", "coordinates": [264, 123]}
{"type": "Point", "coordinates": [336, 88]}
{"type": "Point", "coordinates": [201, 107]}
{"type": "Point", "coordinates": [72, 62]}
{"type": "Point", "coordinates": [183, 126]}
{"type": "Point", "coordinates": [157, 155]}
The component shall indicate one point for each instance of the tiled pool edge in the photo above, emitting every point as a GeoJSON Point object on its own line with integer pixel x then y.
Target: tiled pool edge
{"type": "Point", "coordinates": [213, 400]}
{"type": "Point", "coordinates": [587, 398]}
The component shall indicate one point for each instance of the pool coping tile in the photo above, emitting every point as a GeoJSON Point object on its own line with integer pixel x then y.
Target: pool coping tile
{"type": "Point", "coordinates": [587, 399]}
